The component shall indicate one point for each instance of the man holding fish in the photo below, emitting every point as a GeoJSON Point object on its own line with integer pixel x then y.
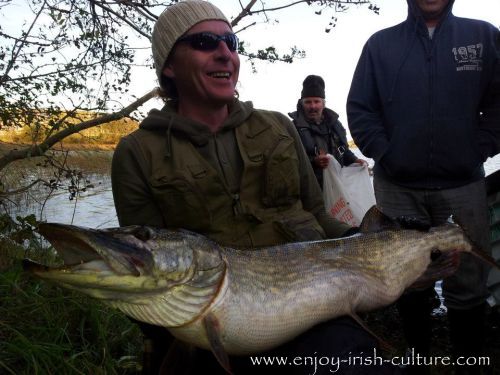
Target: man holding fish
{"type": "Point", "coordinates": [212, 164]}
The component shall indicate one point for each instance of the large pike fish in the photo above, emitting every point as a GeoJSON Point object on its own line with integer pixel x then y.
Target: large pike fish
{"type": "Point", "coordinates": [248, 300]}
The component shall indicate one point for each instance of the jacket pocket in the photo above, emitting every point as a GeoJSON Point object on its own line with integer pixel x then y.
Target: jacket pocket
{"type": "Point", "coordinates": [181, 204]}
{"type": "Point", "coordinates": [282, 179]}
{"type": "Point", "coordinates": [457, 154]}
{"type": "Point", "coordinates": [302, 227]}
{"type": "Point", "coordinates": [406, 157]}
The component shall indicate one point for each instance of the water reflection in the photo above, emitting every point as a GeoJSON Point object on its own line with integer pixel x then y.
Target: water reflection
{"type": "Point", "coordinates": [93, 208]}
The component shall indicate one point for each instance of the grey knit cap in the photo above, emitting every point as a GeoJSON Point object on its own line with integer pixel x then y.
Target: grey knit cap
{"type": "Point", "coordinates": [174, 22]}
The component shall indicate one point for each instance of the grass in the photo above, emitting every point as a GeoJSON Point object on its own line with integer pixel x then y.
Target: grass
{"type": "Point", "coordinates": [48, 330]}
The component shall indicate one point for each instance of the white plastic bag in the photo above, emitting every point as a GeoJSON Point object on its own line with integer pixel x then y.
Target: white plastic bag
{"type": "Point", "coordinates": [347, 191]}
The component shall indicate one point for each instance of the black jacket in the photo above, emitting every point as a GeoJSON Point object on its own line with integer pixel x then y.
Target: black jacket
{"type": "Point", "coordinates": [332, 134]}
{"type": "Point", "coordinates": [428, 110]}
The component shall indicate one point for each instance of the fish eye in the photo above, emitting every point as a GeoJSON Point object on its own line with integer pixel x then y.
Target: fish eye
{"type": "Point", "coordinates": [435, 254]}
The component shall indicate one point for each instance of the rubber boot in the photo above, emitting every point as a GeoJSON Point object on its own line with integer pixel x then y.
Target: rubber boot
{"type": "Point", "coordinates": [467, 336]}
{"type": "Point", "coordinates": [415, 311]}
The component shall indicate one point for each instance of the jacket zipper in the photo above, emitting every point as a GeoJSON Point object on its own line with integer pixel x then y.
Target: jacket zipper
{"type": "Point", "coordinates": [431, 65]}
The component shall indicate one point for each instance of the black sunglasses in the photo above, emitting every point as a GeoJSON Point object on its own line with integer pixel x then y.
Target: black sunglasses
{"type": "Point", "coordinates": [209, 41]}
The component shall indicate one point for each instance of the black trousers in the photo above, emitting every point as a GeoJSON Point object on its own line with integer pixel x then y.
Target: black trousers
{"type": "Point", "coordinates": [338, 346]}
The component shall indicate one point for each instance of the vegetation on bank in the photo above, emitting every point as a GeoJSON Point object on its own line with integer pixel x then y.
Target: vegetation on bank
{"type": "Point", "coordinates": [103, 137]}
{"type": "Point", "coordinates": [45, 329]}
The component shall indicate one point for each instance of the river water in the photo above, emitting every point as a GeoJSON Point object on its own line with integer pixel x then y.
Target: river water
{"type": "Point", "coordinates": [93, 208]}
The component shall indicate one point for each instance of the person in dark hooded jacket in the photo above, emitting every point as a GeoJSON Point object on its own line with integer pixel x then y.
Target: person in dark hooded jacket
{"type": "Point", "coordinates": [424, 103]}
{"type": "Point", "coordinates": [210, 163]}
{"type": "Point", "coordinates": [319, 128]}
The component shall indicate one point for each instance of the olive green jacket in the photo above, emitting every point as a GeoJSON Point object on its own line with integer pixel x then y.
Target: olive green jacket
{"type": "Point", "coordinates": [248, 184]}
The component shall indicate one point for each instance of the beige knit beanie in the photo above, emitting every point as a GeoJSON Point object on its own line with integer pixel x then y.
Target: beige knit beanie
{"type": "Point", "coordinates": [174, 22]}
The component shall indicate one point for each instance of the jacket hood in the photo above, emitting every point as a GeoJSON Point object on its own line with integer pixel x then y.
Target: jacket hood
{"type": "Point", "coordinates": [415, 13]}
{"type": "Point", "coordinates": [168, 120]}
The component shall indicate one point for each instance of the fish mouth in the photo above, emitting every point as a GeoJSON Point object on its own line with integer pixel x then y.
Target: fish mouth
{"type": "Point", "coordinates": [94, 259]}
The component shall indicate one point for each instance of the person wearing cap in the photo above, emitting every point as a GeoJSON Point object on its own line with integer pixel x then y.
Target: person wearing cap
{"type": "Point", "coordinates": [212, 164]}
{"type": "Point", "coordinates": [319, 128]}
{"type": "Point", "coordinates": [424, 103]}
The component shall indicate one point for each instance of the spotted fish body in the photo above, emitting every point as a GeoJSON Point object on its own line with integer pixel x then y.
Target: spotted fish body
{"type": "Point", "coordinates": [250, 300]}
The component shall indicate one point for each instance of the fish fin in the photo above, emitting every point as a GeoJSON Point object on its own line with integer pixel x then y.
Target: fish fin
{"type": "Point", "coordinates": [212, 327]}
{"type": "Point", "coordinates": [383, 344]}
{"type": "Point", "coordinates": [441, 266]}
{"type": "Point", "coordinates": [410, 222]}
{"type": "Point", "coordinates": [375, 221]}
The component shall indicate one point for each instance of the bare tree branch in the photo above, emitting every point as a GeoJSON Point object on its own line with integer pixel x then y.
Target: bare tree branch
{"type": "Point", "coordinates": [111, 11]}
{"type": "Point", "coordinates": [18, 51]}
{"type": "Point", "coordinates": [244, 12]}
{"type": "Point", "coordinates": [308, 2]}
{"type": "Point", "coordinates": [141, 8]}
{"type": "Point", "coordinates": [4, 194]}
{"type": "Point", "coordinates": [56, 72]}
{"type": "Point", "coordinates": [246, 27]}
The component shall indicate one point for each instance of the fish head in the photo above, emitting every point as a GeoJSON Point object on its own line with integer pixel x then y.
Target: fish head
{"type": "Point", "coordinates": [124, 263]}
